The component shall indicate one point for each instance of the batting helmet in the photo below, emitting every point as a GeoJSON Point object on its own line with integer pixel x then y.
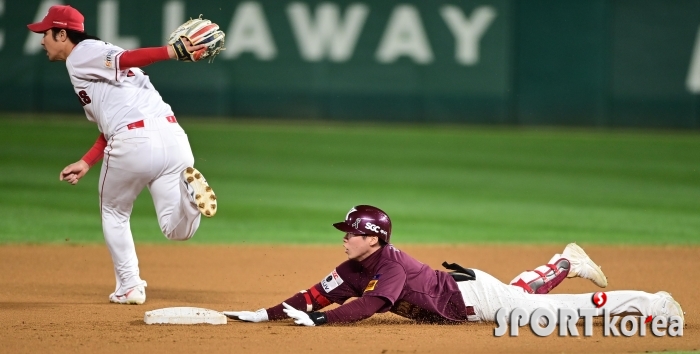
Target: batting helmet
{"type": "Point", "coordinates": [366, 220]}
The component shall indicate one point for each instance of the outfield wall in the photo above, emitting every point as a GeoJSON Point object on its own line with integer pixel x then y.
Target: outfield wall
{"type": "Point", "coordinates": [553, 62]}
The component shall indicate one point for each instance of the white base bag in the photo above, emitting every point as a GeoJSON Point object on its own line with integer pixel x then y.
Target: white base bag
{"type": "Point", "coordinates": [184, 315]}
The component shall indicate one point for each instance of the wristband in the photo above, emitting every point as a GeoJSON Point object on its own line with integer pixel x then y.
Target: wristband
{"type": "Point", "coordinates": [318, 318]}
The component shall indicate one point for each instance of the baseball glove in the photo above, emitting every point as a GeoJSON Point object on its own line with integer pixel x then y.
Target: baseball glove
{"type": "Point", "coordinates": [197, 31]}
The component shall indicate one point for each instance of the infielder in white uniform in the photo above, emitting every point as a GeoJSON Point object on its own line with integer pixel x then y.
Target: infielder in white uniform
{"type": "Point", "coordinates": [141, 143]}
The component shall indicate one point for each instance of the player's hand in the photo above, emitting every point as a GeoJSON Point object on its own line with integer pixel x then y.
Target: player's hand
{"type": "Point", "coordinates": [188, 46]}
{"type": "Point", "coordinates": [300, 317]}
{"type": "Point", "coordinates": [248, 316]}
{"type": "Point", "coordinates": [74, 172]}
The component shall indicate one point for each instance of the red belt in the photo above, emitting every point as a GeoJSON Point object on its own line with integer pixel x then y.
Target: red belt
{"type": "Point", "coordinates": [140, 124]}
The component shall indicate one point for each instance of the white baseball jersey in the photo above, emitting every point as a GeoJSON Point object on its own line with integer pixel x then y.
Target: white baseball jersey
{"type": "Point", "coordinates": [152, 154]}
{"type": "Point", "coordinates": [111, 97]}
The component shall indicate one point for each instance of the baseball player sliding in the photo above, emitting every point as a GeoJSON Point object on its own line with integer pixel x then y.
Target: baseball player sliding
{"type": "Point", "coordinates": [383, 278]}
{"type": "Point", "coordinates": [141, 143]}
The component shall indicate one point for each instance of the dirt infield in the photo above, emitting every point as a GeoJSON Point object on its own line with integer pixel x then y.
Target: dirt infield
{"type": "Point", "coordinates": [54, 299]}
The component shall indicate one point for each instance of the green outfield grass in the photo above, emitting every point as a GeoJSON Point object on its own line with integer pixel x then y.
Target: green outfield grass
{"type": "Point", "coordinates": [288, 181]}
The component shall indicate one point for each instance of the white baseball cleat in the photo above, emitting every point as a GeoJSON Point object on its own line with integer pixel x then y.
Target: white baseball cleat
{"type": "Point", "coordinates": [667, 306]}
{"type": "Point", "coordinates": [201, 194]}
{"type": "Point", "coordinates": [582, 266]}
{"type": "Point", "coordinates": [135, 296]}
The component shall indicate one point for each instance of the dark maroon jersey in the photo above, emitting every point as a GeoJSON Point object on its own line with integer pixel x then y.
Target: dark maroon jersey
{"type": "Point", "coordinates": [412, 289]}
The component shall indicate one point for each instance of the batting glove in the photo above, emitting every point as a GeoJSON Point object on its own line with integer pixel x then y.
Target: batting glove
{"type": "Point", "coordinates": [248, 316]}
{"type": "Point", "coordinates": [303, 318]}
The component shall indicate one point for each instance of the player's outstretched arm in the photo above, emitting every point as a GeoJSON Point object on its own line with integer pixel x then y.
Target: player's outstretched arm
{"type": "Point", "coordinates": [194, 40]}
{"type": "Point", "coordinates": [74, 172]}
{"type": "Point", "coordinates": [138, 58]}
{"type": "Point", "coordinates": [303, 318]}
{"type": "Point", "coordinates": [308, 300]}
{"type": "Point", "coordinates": [354, 311]}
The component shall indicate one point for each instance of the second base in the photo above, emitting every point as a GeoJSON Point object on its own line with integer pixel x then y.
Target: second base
{"type": "Point", "coordinates": [184, 315]}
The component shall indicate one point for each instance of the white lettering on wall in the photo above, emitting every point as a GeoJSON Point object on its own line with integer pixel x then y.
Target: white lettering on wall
{"type": "Point", "coordinates": [108, 25]}
{"type": "Point", "coordinates": [324, 31]}
{"type": "Point", "coordinates": [249, 32]}
{"type": "Point", "coordinates": [692, 82]}
{"type": "Point", "coordinates": [2, 33]}
{"type": "Point", "coordinates": [404, 36]}
{"type": "Point", "coordinates": [468, 31]}
{"type": "Point", "coordinates": [326, 35]}
{"type": "Point", "coordinates": [173, 17]}
{"type": "Point", "coordinates": [32, 44]}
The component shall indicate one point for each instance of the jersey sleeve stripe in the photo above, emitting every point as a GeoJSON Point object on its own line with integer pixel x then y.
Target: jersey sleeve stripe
{"type": "Point", "coordinates": [116, 66]}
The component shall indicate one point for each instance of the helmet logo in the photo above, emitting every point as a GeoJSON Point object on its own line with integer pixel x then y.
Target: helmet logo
{"type": "Point", "coordinates": [347, 216]}
{"type": "Point", "coordinates": [356, 224]}
{"type": "Point", "coordinates": [372, 227]}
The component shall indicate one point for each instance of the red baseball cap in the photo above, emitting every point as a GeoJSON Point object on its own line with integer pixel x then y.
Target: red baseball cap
{"type": "Point", "coordinates": [60, 16]}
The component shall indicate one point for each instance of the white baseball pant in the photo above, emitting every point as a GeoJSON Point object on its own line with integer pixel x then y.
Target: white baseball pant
{"type": "Point", "coordinates": [155, 156]}
{"type": "Point", "coordinates": [487, 295]}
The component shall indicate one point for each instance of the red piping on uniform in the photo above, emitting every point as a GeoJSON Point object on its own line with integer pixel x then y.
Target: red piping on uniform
{"type": "Point", "coordinates": [102, 188]}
